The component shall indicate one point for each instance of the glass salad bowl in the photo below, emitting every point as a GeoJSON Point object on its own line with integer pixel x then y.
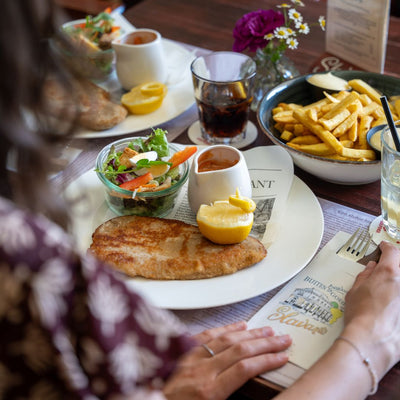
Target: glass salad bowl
{"type": "Point", "coordinates": [135, 202]}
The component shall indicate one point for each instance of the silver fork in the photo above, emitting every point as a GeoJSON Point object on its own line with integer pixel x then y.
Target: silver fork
{"type": "Point", "coordinates": [356, 247]}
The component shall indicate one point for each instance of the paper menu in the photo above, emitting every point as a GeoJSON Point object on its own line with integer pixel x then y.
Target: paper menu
{"type": "Point", "coordinates": [310, 309]}
{"type": "Point", "coordinates": [356, 31]}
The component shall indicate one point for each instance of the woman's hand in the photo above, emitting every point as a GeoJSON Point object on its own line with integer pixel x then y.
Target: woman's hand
{"type": "Point", "coordinates": [239, 354]}
{"type": "Point", "coordinates": [372, 315]}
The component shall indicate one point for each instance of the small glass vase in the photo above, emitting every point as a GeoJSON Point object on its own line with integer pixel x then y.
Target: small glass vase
{"type": "Point", "coordinates": [270, 74]}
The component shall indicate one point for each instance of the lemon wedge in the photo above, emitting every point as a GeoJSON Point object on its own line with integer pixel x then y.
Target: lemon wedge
{"type": "Point", "coordinates": [153, 89]}
{"type": "Point", "coordinates": [224, 223]}
{"type": "Point", "coordinates": [245, 203]}
{"type": "Point", "coordinates": [139, 101]}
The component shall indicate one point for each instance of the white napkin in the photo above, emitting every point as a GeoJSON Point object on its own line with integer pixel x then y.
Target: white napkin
{"type": "Point", "coordinates": [310, 309]}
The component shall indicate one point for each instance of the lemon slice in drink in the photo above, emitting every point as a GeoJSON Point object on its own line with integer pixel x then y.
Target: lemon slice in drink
{"type": "Point", "coordinates": [224, 223]}
{"type": "Point", "coordinates": [139, 102]}
{"type": "Point", "coordinates": [245, 203]}
{"type": "Point", "coordinates": [238, 91]}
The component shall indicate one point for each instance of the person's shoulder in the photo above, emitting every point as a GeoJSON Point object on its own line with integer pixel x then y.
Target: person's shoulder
{"type": "Point", "coordinates": [30, 238]}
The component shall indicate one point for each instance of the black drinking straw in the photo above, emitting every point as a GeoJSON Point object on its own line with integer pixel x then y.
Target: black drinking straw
{"type": "Point", "coordinates": [390, 121]}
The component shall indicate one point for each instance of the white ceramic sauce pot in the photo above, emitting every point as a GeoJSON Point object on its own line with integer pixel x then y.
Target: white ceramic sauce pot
{"type": "Point", "coordinates": [216, 172]}
{"type": "Point", "coordinates": [140, 58]}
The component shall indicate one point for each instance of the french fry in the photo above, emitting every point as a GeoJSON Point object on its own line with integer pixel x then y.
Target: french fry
{"type": "Point", "coordinates": [397, 106]}
{"type": "Point", "coordinates": [355, 107]}
{"type": "Point", "coordinates": [318, 130]}
{"type": "Point", "coordinates": [332, 123]}
{"type": "Point", "coordinates": [379, 113]}
{"type": "Point", "coordinates": [299, 129]}
{"type": "Point", "coordinates": [319, 149]}
{"type": "Point", "coordinates": [370, 108]}
{"type": "Point", "coordinates": [312, 113]}
{"type": "Point", "coordinates": [347, 143]}
{"type": "Point", "coordinates": [306, 139]}
{"type": "Point", "coordinates": [353, 131]}
{"type": "Point", "coordinates": [293, 106]}
{"type": "Point", "coordinates": [345, 125]}
{"type": "Point", "coordinates": [288, 127]}
{"type": "Point", "coordinates": [365, 125]}
{"type": "Point", "coordinates": [363, 87]}
{"type": "Point", "coordinates": [379, 121]}
{"type": "Point", "coordinates": [287, 135]}
{"type": "Point", "coordinates": [284, 117]}
{"type": "Point", "coordinates": [365, 99]}
{"type": "Point", "coordinates": [318, 104]}
{"type": "Point", "coordinates": [339, 107]}
{"type": "Point", "coordinates": [358, 153]}
{"type": "Point", "coordinates": [327, 107]}
{"type": "Point", "coordinates": [277, 110]}
{"type": "Point", "coordinates": [331, 98]}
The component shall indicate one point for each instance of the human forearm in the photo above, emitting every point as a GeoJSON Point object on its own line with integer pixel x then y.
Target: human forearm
{"type": "Point", "coordinates": [339, 374]}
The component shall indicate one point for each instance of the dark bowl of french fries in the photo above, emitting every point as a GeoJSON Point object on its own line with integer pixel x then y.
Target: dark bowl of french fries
{"type": "Point", "coordinates": [327, 136]}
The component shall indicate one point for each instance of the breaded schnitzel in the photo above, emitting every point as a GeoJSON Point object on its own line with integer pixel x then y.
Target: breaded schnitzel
{"type": "Point", "coordinates": [159, 248]}
{"type": "Point", "coordinates": [93, 104]}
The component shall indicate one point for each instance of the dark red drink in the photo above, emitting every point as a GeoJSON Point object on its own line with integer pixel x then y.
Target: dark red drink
{"type": "Point", "coordinates": [223, 111]}
{"type": "Point", "coordinates": [223, 83]}
{"type": "Point", "coordinates": [224, 121]}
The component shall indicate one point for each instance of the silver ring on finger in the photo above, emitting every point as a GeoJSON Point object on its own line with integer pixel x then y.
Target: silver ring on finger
{"type": "Point", "coordinates": [209, 351]}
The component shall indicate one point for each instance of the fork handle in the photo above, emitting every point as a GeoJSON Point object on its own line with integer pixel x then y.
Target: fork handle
{"type": "Point", "coordinates": [374, 256]}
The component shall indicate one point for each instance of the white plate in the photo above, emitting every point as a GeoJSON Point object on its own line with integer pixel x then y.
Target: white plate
{"type": "Point", "coordinates": [179, 98]}
{"type": "Point", "coordinates": [297, 242]}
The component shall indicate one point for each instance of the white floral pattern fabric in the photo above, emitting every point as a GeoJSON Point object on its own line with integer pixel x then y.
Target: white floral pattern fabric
{"type": "Point", "coordinates": [69, 328]}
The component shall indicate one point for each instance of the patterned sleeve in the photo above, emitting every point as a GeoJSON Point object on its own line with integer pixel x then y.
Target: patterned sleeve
{"type": "Point", "coordinates": [68, 324]}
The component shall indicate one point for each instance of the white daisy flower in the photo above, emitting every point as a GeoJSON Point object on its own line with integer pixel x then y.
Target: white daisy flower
{"type": "Point", "coordinates": [322, 22]}
{"type": "Point", "coordinates": [303, 27]}
{"type": "Point", "coordinates": [284, 5]}
{"type": "Point", "coordinates": [295, 15]}
{"type": "Point", "coordinates": [292, 43]}
{"type": "Point", "coordinates": [290, 32]}
{"type": "Point", "coordinates": [298, 3]}
{"type": "Point", "coordinates": [269, 36]}
{"type": "Point", "coordinates": [281, 33]}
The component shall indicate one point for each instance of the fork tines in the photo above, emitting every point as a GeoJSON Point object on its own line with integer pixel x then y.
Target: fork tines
{"type": "Point", "coordinates": [357, 245]}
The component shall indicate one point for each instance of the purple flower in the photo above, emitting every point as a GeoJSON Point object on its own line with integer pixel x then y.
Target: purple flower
{"type": "Point", "coordinates": [250, 30]}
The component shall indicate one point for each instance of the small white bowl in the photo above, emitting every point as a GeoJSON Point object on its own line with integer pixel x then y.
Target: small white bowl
{"type": "Point", "coordinates": [214, 184]}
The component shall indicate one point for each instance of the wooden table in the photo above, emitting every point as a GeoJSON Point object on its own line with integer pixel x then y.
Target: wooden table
{"type": "Point", "coordinates": [208, 24]}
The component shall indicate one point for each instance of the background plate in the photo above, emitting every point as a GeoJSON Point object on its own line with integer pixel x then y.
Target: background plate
{"type": "Point", "coordinates": [179, 98]}
{"type": "Point", "coordinates": [297, 242]}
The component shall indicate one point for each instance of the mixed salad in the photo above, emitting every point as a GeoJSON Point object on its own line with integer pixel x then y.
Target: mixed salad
{"type": "Point", "coordinates": [145, 168]}
{"type": "Point", "coordinates": [141, 166]}
{"type": "Point", "coordinates": [96, 33]}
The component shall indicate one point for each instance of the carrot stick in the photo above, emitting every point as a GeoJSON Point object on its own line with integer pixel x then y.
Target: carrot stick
{"type": "Point", "coordinates": [181, 156]}
{"type": "Point", "coordinates": [137, 182]}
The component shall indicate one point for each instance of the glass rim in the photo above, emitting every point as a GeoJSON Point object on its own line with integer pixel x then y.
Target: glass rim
{"type": "Point", "coordinates": [219, 53]}
{"type": "Point", "coordinates": [385, 144]}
